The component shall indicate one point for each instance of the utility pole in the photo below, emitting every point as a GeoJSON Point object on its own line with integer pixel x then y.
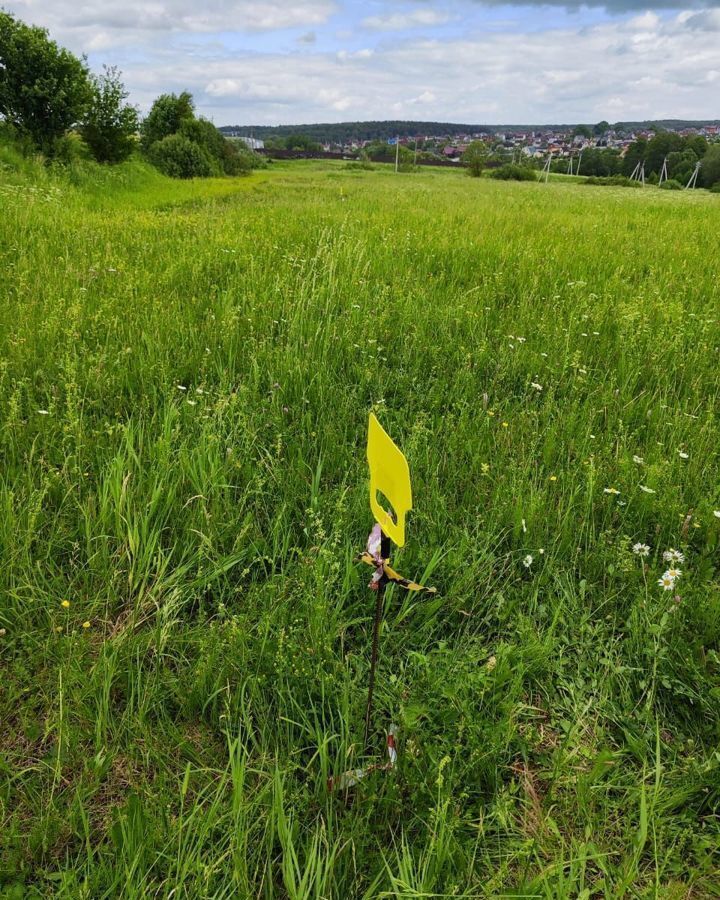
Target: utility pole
{"type": "Point", "coordinates": [694, 177]}
{"type": "Point", "coordinates": [397, 153]}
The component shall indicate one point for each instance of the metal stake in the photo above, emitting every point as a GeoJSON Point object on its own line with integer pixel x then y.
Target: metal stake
{"type": "Point", "coordinates": [385, 553]}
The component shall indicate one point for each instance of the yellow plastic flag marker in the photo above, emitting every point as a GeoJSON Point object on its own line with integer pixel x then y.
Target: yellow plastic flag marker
{"type": "Point", "coordinates": [389, 474]}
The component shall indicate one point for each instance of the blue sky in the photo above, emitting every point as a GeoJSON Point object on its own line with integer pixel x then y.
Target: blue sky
{"type": "Point", "coordinates": [293, 61]}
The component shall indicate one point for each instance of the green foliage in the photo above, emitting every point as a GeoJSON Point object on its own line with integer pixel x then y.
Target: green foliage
{"type": "Point", "coordinates": [44, 89]}
{"type": "Point", "coordinates": [110, 125]}
{"type": "Point", "coordinates": [710, 171]}
{"type": "Point", "coordinates": [301, 143]}
{"type": "Point", "coordinates": [671, 184]}
{"type": "Point", "coordinates": [186, 370]}
{"type": "Point", "coordinates": [475, 158]}
{"type": "Point", "coordinates": [179, 157]}
{"type": "Point", "coordinates": [600, 161]}
{"type": "Point", "coordinates": [636, 153]}
{"type": "Point", "coordinates": [166, 117]}
{"type": "Point", "coordinates": [510, 172]}
{"type": "Point", "coordinates": [614, 181]}
{"type": "Point", "coordinates": [197, 148]}
{"type": "Point", "coordinates": [682, 153]}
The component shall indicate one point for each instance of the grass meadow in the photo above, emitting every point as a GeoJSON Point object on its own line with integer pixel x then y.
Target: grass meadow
{"type": "Point", "coordinates": [186, 371]}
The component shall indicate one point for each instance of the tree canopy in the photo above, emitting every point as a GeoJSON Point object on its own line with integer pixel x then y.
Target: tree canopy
{"type": "Point", "coordinates": [110, 125]}
{"type": "Point", "coordinates": [44, 89]}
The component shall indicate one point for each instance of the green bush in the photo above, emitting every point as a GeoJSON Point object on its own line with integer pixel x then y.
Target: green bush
{"type": "Point", "coordinates": [510, 172]}
{"type": "Point", "coordinates": [671, 184]}
{"type": "Point", "coordinates": [715, 189]}
{"type": "Point", "coordinates": [613, 181]}
{"type": "Point", "coordinates": [70, 149]}
{"type": "Point", "coordinates": [174, 116]}
{"type": "Point", "coordinates": [179, 157]}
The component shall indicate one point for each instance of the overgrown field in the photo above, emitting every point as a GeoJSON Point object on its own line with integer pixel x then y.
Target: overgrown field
{"type": "Point", "coordinates": [186, 371]}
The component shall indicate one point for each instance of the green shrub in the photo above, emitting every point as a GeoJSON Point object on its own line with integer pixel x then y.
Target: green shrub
{"type": "Point", "coordinates": [671, 185]}
{"type": "Point", "coordinates": [179, 157]}
{"type": "Point", "coordinates": [511, 172]}
{"type": "Point", "coordinates": [613, 181]}
{"type": "Point", "coordinates": [715, 189]}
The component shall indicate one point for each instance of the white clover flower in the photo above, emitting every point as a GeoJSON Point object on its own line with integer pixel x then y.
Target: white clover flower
{"type": "Point", "coordinates": [641, 549]}
{"type": "Point", "coordinates": [646, 489]}
{"type": "Point", "coordinates": [611, 490]}
{"type": "Point", "coordinates": [666, 582]}
{"type": "Point", "coordinates": [528, 561]}
{"type": "Point", "coordinates": [639, 460]}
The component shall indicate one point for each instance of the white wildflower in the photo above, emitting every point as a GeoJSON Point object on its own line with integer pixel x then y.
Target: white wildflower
{"type": "Point", "coordinates": [683, 455]}
{"type": "Point", "coordinates": [673, 555]}
{"type": "Point", "coordinates": [534, 384]}
{"type": "Point", "coordinates": [648, 490]}
{"type": "Point", "coordinates": [641, 549]}
{"type": "Point", "coordinates": [666, 582]}
{"type": "Point", "coordinates": [528, 561]}
{"type": "Point", "coordinates": [716, 513]}
{"type": "Point", "coordinates": [611, 490]}
{"type": "Point", "coordinates": [639, 460]}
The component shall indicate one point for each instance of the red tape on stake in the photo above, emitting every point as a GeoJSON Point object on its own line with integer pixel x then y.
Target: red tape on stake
{"type": "Point", "coordinates": [353, 776]}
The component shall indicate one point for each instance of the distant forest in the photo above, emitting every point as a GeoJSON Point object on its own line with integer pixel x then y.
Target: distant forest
{"type": "Point", "coordinates": [345, 132]}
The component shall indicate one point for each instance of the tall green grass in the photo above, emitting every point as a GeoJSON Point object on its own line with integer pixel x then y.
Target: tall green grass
{"type": "Point", "coordinates": [186, 371]}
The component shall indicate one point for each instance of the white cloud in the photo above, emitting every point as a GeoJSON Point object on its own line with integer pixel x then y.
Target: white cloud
{"type": "Point", "coordinates": [416, 18]}
{"type": "Point", "coordinates": [613, 70]}
{"type": "Point", "coordinates": [648, 67]}
{"type": "Point", "coordinates": [174, 15]}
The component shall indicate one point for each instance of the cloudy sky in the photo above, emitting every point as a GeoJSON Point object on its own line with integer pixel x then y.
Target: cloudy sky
{"type": "Point", "coordinates": [475, 61]}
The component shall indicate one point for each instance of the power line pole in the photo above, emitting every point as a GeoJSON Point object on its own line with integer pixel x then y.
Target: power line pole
{"type": "Point", "coordinates": [694, 177]}
{"type": "Point", "coordinates": [397, 153]}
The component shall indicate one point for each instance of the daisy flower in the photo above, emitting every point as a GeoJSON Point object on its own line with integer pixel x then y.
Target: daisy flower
{"type": "Point", "coordinates": [666, 582]}
{"type": "Point", "coordinates": [611, 490]}
{"type": "Point", "coordinates": [673, 555]}
{"type": "Point", "coordinates": [641, 549]}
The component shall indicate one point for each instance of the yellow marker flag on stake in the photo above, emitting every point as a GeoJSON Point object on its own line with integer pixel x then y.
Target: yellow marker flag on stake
{"type": "Point", "coordinates": [389, 474]}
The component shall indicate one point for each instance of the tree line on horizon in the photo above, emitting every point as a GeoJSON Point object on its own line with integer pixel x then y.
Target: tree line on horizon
{"type": "Point", "coordinates": [347, 132]}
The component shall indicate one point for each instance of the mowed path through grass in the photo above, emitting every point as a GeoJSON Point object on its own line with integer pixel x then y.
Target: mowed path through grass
{"type": "Point", "coordinates": [186, 372]}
